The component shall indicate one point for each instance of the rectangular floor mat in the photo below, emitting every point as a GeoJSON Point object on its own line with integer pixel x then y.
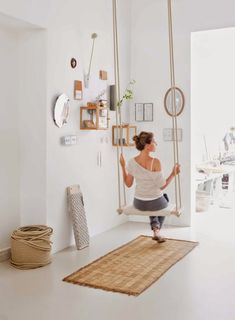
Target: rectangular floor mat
{"type": "Point", "coordinates": [133, 267]}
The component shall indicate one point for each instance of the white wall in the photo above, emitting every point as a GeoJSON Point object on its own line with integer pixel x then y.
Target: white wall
{"type": "Point", "coordinates": [70, 36]}
{"type": "Point", "coordinates": [150, 68]}
{"type": "Point", "coordinates": [23, 126]}
{"type": "Point", "coordinates": [213, 70]}
{"type": "Point", "coordinates": [46, 167]}
{"type": "Point", "coordinates": [31, 11]}
{"type": "Point", "coordinates": [32, 123]}
{"type": "Point", "coordinates": [9, 136]}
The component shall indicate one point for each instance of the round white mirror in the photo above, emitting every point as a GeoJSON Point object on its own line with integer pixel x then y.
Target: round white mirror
{"type": "Point", "coordinates": [61, 110]}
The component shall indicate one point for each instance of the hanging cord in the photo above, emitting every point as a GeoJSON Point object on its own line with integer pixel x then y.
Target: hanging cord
{"type": "Point", "coordinates": [118, 107]}
{"type": "Point", "coordinates": [173, 101]}
{"type": "Point", "coordinates": [119, 98]}
{"type": "Point", "coordinates": [116, 94]}
{"type": "Point", "coordinates": [31, 246]}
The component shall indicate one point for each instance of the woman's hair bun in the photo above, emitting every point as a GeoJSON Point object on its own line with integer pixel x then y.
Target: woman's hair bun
{"type": "Point", "coordinates": [136, 138]}
{"type": "Point", "coordinates": [142, 139]}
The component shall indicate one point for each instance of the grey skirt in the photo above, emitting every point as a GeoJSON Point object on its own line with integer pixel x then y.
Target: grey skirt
{"type": "Point", "coordinates": [151, 205]}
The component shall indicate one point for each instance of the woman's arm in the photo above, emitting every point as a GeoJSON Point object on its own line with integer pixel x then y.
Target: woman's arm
{"type": "Point", "coordinates": [127, 178]}
{"type": "Point", "coordinates": [175, 171]}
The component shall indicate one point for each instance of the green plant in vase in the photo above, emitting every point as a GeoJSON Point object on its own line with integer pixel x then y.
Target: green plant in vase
{"type": "Point", "coordinates": [128, 93]}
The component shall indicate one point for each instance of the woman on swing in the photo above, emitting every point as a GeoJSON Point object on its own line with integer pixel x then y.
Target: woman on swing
{"type": "Point", "coordinates": [149, 180]}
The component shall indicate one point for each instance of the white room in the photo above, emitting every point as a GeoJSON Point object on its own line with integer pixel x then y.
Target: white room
{"type": "Point", "coordinates": [62, 172]}
{"type": "Point", "coordinates": [212, 72]}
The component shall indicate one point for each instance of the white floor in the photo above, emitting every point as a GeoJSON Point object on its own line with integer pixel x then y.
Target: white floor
{"type": "Point", "coordinates": [200, 286]}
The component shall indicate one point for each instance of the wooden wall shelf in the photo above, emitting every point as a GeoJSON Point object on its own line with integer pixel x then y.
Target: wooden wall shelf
{"type": "Point", "coordinates": [94, 116]}
{"type": "Point", "coordinates": [127, 132]}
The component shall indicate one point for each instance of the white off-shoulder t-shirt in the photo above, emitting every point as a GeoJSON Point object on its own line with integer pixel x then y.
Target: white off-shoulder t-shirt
{"type": "Point", "coordinates": [148, 183]}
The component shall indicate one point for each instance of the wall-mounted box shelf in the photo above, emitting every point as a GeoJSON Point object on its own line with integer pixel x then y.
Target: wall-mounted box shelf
{"type": "Point", "coordinates": [94, 116]}
{"type": "Point", "coordinates": [125, 132]}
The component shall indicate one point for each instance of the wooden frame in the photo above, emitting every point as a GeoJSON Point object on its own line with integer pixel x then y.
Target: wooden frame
{"type": "Point", "coordinates": [167, 106]}
{"type": "Point", "coordinates": [128, 142]}
{"type": "Point", "coordinates": [77, 90]}
{"type": "Point", "coordinates": [94, 111]}
{"type": "Point", "coordinates": [103, 75]}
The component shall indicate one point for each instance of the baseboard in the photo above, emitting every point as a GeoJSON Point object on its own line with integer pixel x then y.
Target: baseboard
{"type": "Point", "coordinates": [5, 254]}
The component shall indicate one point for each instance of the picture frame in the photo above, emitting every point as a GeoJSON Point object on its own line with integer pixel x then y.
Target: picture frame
{"type": "Point", "coordinates": [169, 134]}
{"type": "Point", "coordinates": [139, 112]}
{"type": "Point", "coordinates": [148, 111]}
{"type": "Point", "coordinates": [77, 90]}
{"type": "Point", "coordinates": [144, 112]}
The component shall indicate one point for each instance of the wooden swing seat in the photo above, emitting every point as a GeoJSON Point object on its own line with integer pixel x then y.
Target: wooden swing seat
{"type": "Point", "coordinates": [169, 210]}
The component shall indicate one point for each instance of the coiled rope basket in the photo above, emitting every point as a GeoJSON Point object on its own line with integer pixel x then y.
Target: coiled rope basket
{"type": "Point", "coordinates": [31, 246]}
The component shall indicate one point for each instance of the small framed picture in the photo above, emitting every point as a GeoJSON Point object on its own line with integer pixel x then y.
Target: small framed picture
{"type": "Point", "coordinates": [170, 135]}
{"type": "Point", "coordinates": [148, 111]}
{"type": "Point", "coordinates": [139, 112]}
{"type": "Point", "coordinates": [103, 75]}
{"type": "Point", "coordinates": [77, 90]}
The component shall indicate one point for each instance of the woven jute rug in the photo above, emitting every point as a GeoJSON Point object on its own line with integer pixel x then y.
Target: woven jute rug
{"type": "Point", "coordinates": [133, 267]}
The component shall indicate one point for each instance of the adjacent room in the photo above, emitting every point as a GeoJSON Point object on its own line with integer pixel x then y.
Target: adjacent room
{"type": "Point", "coordinates": [117, 159]}
{"type": "Point", "coordinates": [212, 127]}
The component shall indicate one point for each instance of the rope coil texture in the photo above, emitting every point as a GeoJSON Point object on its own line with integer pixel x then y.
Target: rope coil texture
{"type": "Point", "coordinates": [31, 246]}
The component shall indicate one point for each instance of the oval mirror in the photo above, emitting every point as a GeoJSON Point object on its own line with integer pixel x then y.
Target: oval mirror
{"type": "Point", "coordinates": [179, 101]}
{"type": "Point", "coordinates": [61, 110]}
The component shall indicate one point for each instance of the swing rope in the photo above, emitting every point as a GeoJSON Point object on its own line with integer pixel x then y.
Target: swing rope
{"type": "Point", "coordinates": [118, 107]}
{"type": "Point", "coordinates": [178, 201]}
{"type": "Point", "coordinates": [177, 205]}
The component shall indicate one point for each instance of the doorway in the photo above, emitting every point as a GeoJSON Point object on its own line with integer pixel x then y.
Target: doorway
{"type": "Point", "coordinates": [213, 128]}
